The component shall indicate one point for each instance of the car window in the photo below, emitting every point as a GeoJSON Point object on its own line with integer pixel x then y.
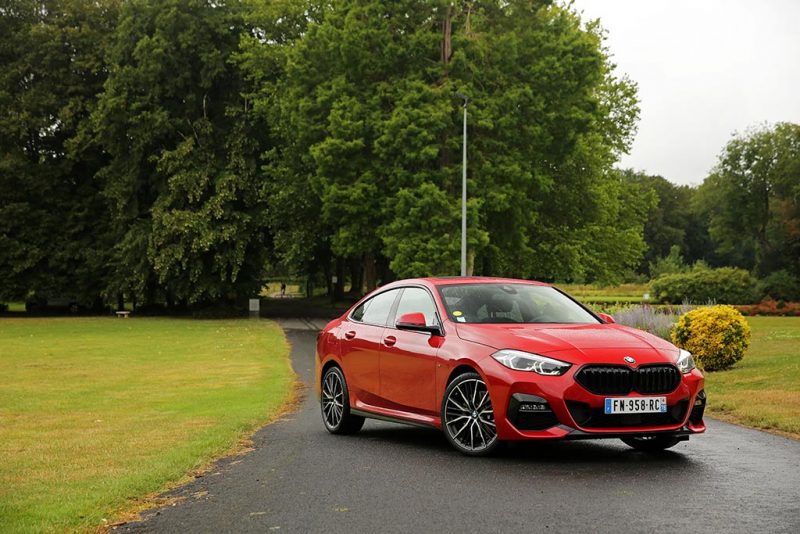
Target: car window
{"type": "Point", "coordinates": [511, 303]}
{"type": "Point", "coordinates": [417, 300]}
{"type": "Point", "coordinates": [358, 313]}
{"type": "Point", "coordinates": [378, 307]}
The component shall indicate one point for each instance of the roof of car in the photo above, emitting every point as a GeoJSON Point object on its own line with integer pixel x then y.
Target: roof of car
{"type": "Point", "coordinates": [448, 280]}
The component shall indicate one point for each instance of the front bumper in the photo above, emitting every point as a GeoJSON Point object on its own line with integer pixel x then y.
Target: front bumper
{"type": "Point", "coordinates": [572, 412]}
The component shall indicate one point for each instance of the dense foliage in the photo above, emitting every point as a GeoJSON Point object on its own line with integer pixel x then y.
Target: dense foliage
{"type": "Point", "coordinates": [726, 285]}
{"type": "Point", "coordinates": [752, 200]}
{"type": "Point", "coordinates": [178, 152]}
{"type": "Point", "coordinates": [780, 285]}
{"type": "Point", "coordinates": [53, 229]}
{"type": "Point", "coordinates": [186, 201]}
{"type": "Point", "coordinates": [371, 124]}
{"type": "Point", "coordinates": [717, 336]}
{"type": "Point", "coordinates": [675, 231]}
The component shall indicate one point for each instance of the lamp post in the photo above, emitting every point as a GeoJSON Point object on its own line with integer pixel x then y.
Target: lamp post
{"type": "Point", "coordinates": [464, 192]}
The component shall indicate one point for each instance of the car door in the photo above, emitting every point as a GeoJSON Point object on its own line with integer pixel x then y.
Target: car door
{"type": "Point", "coordinates": [408, 358]}
{"type": "Point", "coordinates": [361, 336]}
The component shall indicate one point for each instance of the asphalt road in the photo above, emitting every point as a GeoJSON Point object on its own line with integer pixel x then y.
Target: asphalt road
{"type": "Point", "coordinates": [393, 478]}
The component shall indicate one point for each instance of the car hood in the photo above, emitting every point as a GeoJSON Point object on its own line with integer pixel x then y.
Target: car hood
{"type": "Point", "coordinates": [584, 343]}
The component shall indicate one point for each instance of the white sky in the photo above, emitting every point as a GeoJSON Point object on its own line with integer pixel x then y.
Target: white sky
{"type": "Point", "coordinates": [705, 68]}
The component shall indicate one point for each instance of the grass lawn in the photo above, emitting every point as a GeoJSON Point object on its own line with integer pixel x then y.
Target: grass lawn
{"type": "Point", "coordinates": [98, 413]}
{"type": "Point", "coordinates": [592, 294]}
{"type": "Point", "coordinates": [590, 291]}
{"type": "Point", "coordinates": [762, 390]}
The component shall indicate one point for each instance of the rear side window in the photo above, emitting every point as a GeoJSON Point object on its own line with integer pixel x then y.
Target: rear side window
{"type": "Point", "coordinates": [376, 309]}
{"type": "Point", "coordinates": [358, 313]}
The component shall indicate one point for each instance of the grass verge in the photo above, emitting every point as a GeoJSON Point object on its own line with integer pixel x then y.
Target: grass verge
{"type": "Point", "coordinates": [96, 413]}
{"type": "Point", "coordinates": [762, 390]}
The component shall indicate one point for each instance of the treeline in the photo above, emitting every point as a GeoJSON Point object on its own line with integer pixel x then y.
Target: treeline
{"type": "Point", "coordinates": [746, 214]}
{"type": "Point", "coordinates": [177, 152]}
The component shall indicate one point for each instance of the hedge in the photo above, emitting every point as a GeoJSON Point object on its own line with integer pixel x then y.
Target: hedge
{"type": "Point", "coordinates": [727, 285]}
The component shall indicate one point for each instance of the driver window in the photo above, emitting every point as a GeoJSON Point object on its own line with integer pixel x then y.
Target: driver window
{"type": "Point", "coordinates": [417, 300]}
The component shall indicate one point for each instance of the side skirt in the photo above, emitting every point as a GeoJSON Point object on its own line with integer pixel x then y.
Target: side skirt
{"type": "Point", "coordinates": [390, 419]}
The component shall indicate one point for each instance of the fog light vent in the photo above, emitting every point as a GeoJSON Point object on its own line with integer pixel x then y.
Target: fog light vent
{"type": "Point", "coordinates": [699, 407]}
{"type": "Point", "coordinates": [529, 412]}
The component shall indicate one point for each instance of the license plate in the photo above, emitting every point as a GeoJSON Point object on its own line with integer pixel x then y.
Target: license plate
{"type": "Point", "coordinates": [620, 405]}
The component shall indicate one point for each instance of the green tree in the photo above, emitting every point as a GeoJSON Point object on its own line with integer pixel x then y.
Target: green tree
{"type": "Point", "coordinates": [188, 208]}
{"type": "Point", "coordinates": [371, 124]}
{"type": "Point", "coordinates": [752, 200]}
{"type": "Point", "coordinates": [53, 229]}
{"type": "Point", "coordinates": [301, 243]}
{"type": "Point", "coordinates": [672, 221]}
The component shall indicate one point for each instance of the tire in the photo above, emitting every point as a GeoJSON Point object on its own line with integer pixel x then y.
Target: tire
{"type": "Point", "coordinates": [651, 443]}
{"type": "Point", "coordinates": [335, 404]}
{"type": "Point", "coordinates": [468, 416]}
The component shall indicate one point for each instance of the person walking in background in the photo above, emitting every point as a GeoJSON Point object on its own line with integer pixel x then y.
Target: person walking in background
{"type": "Point", "coordinates": [283, 289]}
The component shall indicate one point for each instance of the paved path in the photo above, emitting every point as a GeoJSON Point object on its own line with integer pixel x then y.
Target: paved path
{"type": "Point", "coordinates": [392, 478]}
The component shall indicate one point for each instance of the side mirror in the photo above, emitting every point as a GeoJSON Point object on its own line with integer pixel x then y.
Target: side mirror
{"type": "Point", "coordinates": [606, 318]}
{"type": "Point", "coordinates": [416, 321]}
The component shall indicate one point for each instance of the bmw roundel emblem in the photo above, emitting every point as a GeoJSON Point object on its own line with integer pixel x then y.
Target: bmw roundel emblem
{"type": "Point", "coordinates": [629, 359]}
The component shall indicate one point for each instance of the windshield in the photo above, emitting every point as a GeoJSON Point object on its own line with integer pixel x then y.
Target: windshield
{"type": "Point", "coordinates": [511, 303]}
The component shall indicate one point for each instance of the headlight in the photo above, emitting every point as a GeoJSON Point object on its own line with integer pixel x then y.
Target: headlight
{"type": "Point", "coordinates": [525, 361]}
{"type": "Point", "coordinates": [685, 361]}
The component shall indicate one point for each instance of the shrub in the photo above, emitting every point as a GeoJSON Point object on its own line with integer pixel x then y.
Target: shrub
{"type": "Point", "coordinates": [726, 285]}
{"type": "Point", "coordinates": [656, 321]}
{"type": "Point", "coordinates": [717, 336]}
{"type": "Point", "coordinates": [780, 285]}
{"type": "Point", "coordinates": [772, 308]}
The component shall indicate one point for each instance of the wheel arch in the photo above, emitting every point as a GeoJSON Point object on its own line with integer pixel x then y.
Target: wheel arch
{"type": "Point", "coordinates": [461, 368]}
{"type": "Point", "coordinates": [327, 365]}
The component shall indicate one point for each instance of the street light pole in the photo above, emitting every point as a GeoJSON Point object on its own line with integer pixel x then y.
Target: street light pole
{"type": "Point", "coordinates": [464, 192]}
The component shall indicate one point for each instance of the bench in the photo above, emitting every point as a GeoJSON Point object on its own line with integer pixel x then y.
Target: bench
{"type": "Point", "coordinates": [123, 314]}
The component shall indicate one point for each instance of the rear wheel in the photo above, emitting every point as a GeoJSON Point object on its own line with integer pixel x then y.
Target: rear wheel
{"type": "Point", "coordinates": [468, 416]}
{"type": "Point", "coordinates": [335, 403]}
{"type": "Point", "coordinates": [651, 443]}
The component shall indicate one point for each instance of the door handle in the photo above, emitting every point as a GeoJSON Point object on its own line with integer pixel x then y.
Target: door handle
{"type": "Point", "coordinates": [389, 341]}
{"type": "Point", "coordinates": [350, 335]}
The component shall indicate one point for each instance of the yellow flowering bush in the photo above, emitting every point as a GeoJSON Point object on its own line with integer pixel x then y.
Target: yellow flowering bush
{"type": "Point", "coordinates": [717, 336]}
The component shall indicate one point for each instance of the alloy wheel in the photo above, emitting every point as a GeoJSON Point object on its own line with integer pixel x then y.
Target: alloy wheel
{"type": "Point", "coordinates": [332, 400]}
{"type": "Point", "coordinates": [468, 415]}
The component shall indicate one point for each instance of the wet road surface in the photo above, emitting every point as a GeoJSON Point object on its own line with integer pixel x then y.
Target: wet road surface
{"type": "Point", "coordinates": [393, 478]}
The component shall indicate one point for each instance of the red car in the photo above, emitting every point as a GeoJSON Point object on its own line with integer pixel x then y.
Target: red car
{"type": "Point", "coordinates": [490, 360]}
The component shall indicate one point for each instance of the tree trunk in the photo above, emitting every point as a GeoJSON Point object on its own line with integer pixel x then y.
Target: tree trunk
{"type": "Point", "coordinates": [356, 277]}
{"type": "Point", "coordinates": [338, 287]}
{"type": "Point", "coordinates": [386, 274]}
{"type": "Point", "coordinates": [447, 30]}
{"type": "Point", "coordinates": [370, 277]}
{"type": "Point", "coordinates": [763, 248]}
{"type": "Point", "coordinates": [326, 271]}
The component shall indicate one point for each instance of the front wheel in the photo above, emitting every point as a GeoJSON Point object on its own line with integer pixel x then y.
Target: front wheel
{"type": "Point", "coordinates": [468, 417]}
{"type": "Point", "coordinates": [335, 404]}
{"type": "Point", "coordinates": [651, 443]}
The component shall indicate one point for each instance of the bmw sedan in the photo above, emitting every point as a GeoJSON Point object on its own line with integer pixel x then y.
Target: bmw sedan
{"type": "Point", "coordinates": [489, 360]}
